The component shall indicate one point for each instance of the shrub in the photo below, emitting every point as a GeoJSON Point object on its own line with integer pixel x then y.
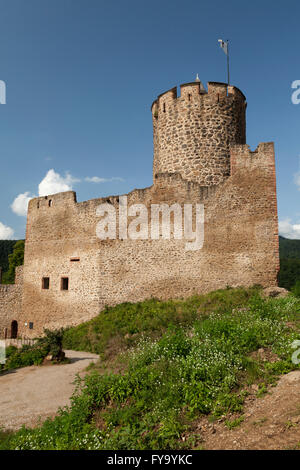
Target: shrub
{"type": "Point", "coordinates": [52, 343]}
{"type": "Point", "coordinates": [26, 356]}
{"type": "Point", "coordinates": [296, 289]}
{"type": "Point", "coordinates": [10, 350]}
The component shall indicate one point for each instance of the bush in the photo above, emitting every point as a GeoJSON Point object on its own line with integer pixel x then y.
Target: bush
{"type": "Point", "coordinates": [296, 289]}
{"type": "Point", "coordinates": [52, 343]}
{"type": "Point", "coordinates": [26, 356]}
{"type": "Point", "coordinates": [10, 350]}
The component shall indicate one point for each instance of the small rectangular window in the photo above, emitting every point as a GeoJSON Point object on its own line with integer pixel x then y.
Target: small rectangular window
{"type": "Point", "coordinates": [46, 282]}
{"type": "Point", "coordinates": [64, 283]}
{"type": "Point", "coordinates": [30, 325]}
{"type": "Point", "coordinates": [75, 259]}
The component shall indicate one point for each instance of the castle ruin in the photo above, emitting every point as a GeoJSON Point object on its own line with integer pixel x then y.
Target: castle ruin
{"type": "Point", "coordinates": [200, 157]}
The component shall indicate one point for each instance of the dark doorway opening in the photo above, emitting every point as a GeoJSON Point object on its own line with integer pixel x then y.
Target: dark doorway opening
{"type": "Point", "coordinates": [64, 283]}
{"type": "Point", "coordinates": [45, 282]}
{"type": "Point", "coordinates": [14, 329]}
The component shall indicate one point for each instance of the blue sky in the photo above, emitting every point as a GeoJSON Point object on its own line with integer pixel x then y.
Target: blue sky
{"type": "Point", "coordinates": [81, 76]}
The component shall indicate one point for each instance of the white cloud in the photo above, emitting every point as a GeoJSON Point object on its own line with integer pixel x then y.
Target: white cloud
{"type": "Point", "coordinates": [97, 179]}
{"type": "Point", "coordinates": [6, 233]}
{"type": "Point", "coordinates": [289, 230]}
{"type": "Point", "coordinates": [297, 179]}
{"type": "Point", "coordinates": [52, 183]}
{"type": "Point", "coordinates": [55, 183]}
{"type": "Point", "coordinates": [20, 204]}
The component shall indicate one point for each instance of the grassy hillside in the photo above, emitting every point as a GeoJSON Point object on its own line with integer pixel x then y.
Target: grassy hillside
{"type": "Point", "coordinates": [180, 360]}
{"type": "Point", "coordinates": [124, 325]}
{"type": "Point", "coordinates": [6, 248]}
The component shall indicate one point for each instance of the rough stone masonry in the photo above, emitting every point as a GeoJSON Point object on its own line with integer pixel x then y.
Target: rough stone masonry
{"type": "Point", "coordinates": [200, 156]}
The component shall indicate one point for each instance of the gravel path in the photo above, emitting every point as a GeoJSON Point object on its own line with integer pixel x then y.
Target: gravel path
{"type": "Point", "coordinates": [31, 393]}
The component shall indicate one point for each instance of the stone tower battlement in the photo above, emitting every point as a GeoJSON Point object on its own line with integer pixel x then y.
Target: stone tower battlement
{"type": "Point", "coordinates": [193, 132]}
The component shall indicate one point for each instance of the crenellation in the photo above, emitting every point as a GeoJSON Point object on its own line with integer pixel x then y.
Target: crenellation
{"type": "Point", "coordinates": [190, 91]}
{"type": "Point", "coordinates": [192, 133]}
{"type": "Point", "coordinates": [217, 89]}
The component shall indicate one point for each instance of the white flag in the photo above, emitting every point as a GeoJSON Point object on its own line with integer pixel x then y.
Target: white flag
{"type": "Point", "coordinates": [223, 45]}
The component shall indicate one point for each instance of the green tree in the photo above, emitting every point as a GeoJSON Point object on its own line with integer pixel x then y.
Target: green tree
{"type": "Point", "coordinates": [16, 258]}
{"type": "Point", "coordinates": [6, 248]}
{"type": "Point", "coordinates": [289, 272]}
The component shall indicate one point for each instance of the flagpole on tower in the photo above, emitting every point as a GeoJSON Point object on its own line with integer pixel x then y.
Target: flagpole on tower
{"type": "Point", "coordinates": [225, 46]}
{"type": "Point", "coordinates": [228, 71]}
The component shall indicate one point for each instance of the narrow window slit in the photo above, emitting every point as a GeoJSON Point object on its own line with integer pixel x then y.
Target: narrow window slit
{"type": "Point", "coordinates": [64, 283]}
{"type": "Point", "coordinates": [45, 282]}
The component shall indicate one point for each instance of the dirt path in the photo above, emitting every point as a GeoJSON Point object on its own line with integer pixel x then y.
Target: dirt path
{"type": "Point", "coordinates": [270, 422]}
{"type": "Point", "coordinates": [34, 392]}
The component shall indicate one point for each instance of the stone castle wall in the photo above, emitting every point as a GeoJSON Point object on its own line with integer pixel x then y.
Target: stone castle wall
{"type": "Point", "coordinates": [192, 134]}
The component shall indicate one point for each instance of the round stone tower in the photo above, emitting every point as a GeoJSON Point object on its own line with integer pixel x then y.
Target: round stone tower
{"type": "Point", "coordinates": [193, 133]}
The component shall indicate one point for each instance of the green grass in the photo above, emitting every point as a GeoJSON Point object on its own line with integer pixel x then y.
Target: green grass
{"type": "Point", "coordinates": [5, 437]}
{"type": "Point", "coordinates": [234, 423]}
{"type": "Point", "coordinates": [187, 359]}
{"type": "Point", "coordinates": [120, 327]}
